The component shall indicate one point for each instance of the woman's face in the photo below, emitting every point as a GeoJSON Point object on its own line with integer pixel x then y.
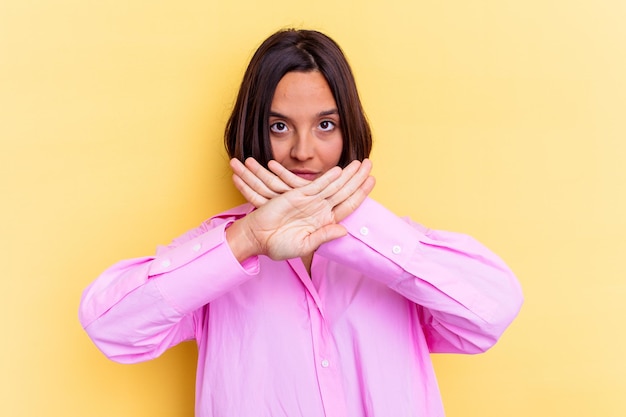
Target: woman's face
{"type": "Point", "coordinates": [305, 130]}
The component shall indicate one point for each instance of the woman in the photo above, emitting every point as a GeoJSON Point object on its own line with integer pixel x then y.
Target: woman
{"type": "Point", "coordinates": [313, 299]}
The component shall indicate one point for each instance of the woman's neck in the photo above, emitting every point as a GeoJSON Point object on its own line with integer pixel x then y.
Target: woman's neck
{"type": "Point", "coordinates": [307, 260]}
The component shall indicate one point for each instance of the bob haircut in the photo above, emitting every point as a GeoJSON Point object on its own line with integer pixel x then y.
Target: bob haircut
{"type": "Point", "coordinates": [247, 130]}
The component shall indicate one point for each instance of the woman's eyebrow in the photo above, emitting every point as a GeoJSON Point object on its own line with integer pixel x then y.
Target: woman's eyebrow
{"type": "Point", "coordinates": [328, 112]}
{"type": "Point", "coordinates": [320, 114]}
{"type": "Point", "coordinates": [276, 114]}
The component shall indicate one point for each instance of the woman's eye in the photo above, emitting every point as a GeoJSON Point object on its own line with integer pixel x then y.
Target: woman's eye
{"type": "Point", "coordinates": [327, 125]}
{"type": "Point", "coordinates": [278, 127]}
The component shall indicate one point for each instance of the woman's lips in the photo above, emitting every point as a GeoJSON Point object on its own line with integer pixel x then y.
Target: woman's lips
{"type": "Point", "coordinates": [307, 175]}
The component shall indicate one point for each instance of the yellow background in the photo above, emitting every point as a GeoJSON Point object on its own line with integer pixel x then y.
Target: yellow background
{"type": "Point", "coordinates": [502, 119]}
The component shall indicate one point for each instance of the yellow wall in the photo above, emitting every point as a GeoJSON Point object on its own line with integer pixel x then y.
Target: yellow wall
{"type": "Point", "coordinates": [502, 119]}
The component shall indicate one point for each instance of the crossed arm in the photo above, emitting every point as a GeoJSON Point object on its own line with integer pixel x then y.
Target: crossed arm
{"type": "Point", "coordinates": [465, 295]}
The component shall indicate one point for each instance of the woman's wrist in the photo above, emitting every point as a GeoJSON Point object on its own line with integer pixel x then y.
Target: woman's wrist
{"type": "Point", "coordinates": [241, 240]}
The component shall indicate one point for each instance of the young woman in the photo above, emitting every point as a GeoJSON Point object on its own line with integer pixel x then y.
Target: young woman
{"type": "Point", "coordinates": [312, 299]}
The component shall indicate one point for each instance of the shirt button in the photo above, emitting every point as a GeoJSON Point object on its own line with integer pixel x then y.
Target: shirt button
{"type": "Point", "coordinates": [396, 249]}
{"type": "Point", "coordinates": [165, 263]}
{"type": "Point", "coordinates": [325, 363]}
{"type": "Point", "coordinates": [364, 231]}
{"type": "Point", "coordinates": [196, 247]}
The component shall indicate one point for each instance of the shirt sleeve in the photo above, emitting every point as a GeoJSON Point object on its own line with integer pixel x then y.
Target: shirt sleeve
{"type": "Point", "coordinates": [465, 295]}
{"type": "Point", "coordinates": [140, 307]}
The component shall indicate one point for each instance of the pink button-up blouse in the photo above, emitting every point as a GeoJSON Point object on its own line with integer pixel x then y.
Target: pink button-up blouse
{"type": "Point", "coordinates": [352, 339]}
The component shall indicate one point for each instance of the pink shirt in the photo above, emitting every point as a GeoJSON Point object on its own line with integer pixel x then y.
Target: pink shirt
{"type": "Point", "coordinates": [353, 339]}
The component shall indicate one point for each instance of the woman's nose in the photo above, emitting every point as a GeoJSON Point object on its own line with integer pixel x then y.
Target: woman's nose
{"type": "Point", "coordinates": [303, 147]}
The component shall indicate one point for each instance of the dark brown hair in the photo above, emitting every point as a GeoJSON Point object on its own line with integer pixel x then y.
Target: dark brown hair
{"type": "Point", "coordinates": [247, 130]}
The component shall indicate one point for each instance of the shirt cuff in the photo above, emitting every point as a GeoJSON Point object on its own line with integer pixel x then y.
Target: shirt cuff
{"type": "Point", "coordinates": [200, 270]}
{"type": "Point", "coordinates": [380, 230]}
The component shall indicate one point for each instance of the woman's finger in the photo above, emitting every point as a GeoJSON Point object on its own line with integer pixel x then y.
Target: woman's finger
{"type": "Point", "coordinates": [271, 181]}
{"type": "Point", "coordinates": [325, 234]}
{"type": "Point", "coordinates": [337, 185]}
{"type": "Point", "coordinates": [350, 204]}
{"type": "Point", "coordinates": [319, 186]}
{"type": "Point", "coordinates": [355, 180]}
{"type": "Point", "coordinates": [251, 180]}
{"type": "Point", "coordinates": [251, 196]}
{"type": "Point", "coordinates": [288, 177]}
